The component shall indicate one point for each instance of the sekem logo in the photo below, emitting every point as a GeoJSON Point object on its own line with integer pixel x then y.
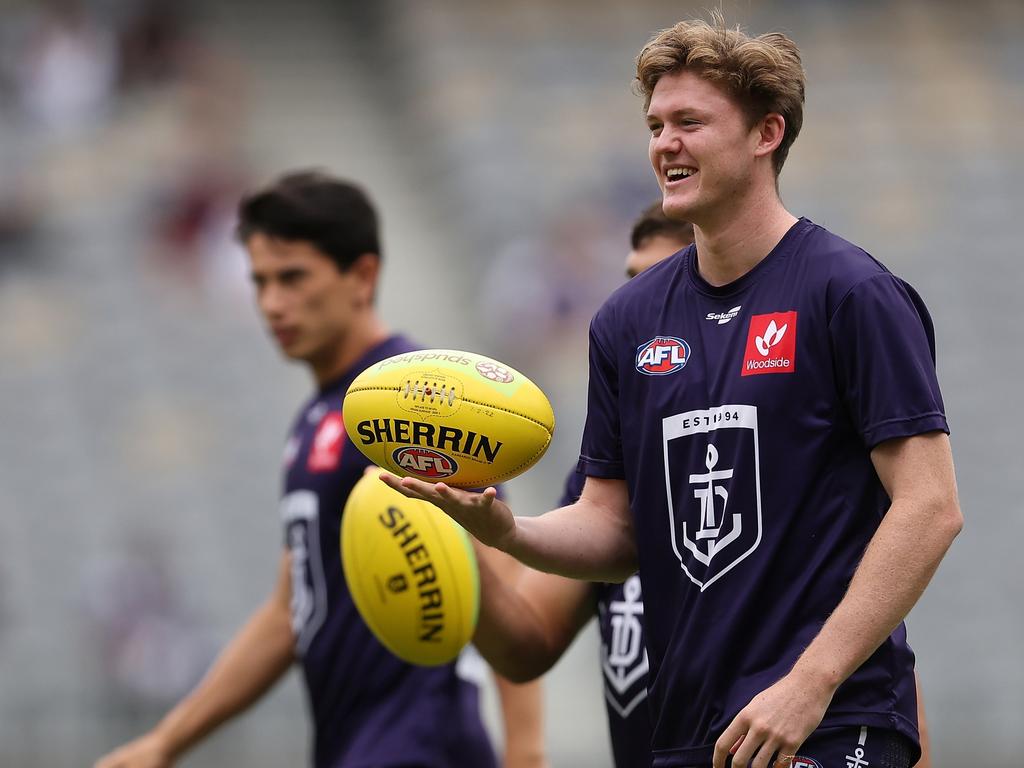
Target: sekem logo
{"type": "Point", "coordinates": [771, 344]}
{"type": "Point", "coordinates": [662, 355]}
{"type": "Point", "coordinates": [425, 462]}
{"type": "Point", "coordinates": [724, 317]}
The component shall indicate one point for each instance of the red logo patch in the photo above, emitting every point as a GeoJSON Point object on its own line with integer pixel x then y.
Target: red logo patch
{"type": "Point", "coordinates": [771, 344]}
{"type": "Point", "coordinates": [325, 453]}
{"type": "Point", "coordinates": [425, 462]}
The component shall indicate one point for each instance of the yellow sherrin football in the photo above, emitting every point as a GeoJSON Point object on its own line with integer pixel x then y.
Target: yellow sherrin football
{"type": "Point", "coordinates": [451, 416]}
{"type": "Point", "coordinates": [411, 572]}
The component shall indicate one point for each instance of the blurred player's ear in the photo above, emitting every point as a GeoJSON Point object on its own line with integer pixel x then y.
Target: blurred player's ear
{"type": "Point", "coordinates": [365, 270]}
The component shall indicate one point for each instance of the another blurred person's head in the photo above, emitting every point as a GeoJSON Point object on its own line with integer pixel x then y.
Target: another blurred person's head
{"type": "Point", "coordinates": [314, 252]}
{"type": "Point", "coordinates": [723, 109]}
{"type": "Point", "coordinates": [655, 237]}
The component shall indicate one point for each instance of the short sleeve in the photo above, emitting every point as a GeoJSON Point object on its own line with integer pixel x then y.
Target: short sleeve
{"type": "Point", "coordinates": [883, 352]}
{"type": "Point", "coordinates": [601, 454]}
{"type": "Point", "coordinates": [573, 488]}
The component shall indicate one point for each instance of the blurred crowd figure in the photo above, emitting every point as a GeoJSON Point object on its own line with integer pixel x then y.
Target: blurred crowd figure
{"type": "Point", "coordinates": [79, 81]}
{"type": "Point", "coordinates": [152, 649]}
{"type": "Point", "coordinates": [540, 289]}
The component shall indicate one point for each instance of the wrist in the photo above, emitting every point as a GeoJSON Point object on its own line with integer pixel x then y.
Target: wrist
{"type": "Point", "coordinates": [511, 540]}
{"type": "Point", "coordinates": [167, 741]}
{"type": "Point", "coordinates": [821, 675]}
{"type": "Point", "coordinates": [524, 758]}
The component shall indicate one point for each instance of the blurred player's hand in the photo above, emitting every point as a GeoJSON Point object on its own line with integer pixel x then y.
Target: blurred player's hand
{"type": "Point", "coordinates": [147, 751]}
{"type": "Point", "coordinates": [777, 720]}
{"type": "Point", "coordinates": [482, 514]}
{"type": "Point", "coordinates": [525, 760]}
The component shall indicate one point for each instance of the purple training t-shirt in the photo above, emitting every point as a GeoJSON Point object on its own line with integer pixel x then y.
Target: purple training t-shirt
{"type": "Point", "coordinates": [370, 709]}
{"type": "Point", "coordinates": [741, 418]}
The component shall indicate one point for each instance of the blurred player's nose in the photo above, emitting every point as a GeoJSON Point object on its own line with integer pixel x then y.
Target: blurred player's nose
{"type": "Point", "coordinates": [271, 300]}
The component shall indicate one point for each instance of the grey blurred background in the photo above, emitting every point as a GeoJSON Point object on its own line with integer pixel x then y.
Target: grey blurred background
{"type": "Point", "coordinates": [142, 411]}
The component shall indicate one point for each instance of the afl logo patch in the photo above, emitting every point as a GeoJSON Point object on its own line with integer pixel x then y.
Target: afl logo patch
{"type": "Point", "coordinates": [805, 762]}
{"type": "Point", "coordinates": [662, 355]}
{"type": "Point", "coordinates": [425, 462]}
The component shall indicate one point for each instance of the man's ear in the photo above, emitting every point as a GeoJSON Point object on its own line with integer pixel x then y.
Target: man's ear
{"type": "Point", "coordinates": [771, 130]}
{"type": "Point", "coordinates": [366, 269]}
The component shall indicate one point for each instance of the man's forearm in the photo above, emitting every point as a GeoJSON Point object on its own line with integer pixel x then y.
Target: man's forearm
{"type": "Point", "coordinates": [582, 541]}
{"type": "Point", "coordinates": [254, 660]}
{"type": "Point", "coordinates": [527, 618]}
{"type": "Point", "coordinates": [896, 567]}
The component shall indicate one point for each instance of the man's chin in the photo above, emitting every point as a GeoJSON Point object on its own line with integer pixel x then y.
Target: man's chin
{"type": "Point", "coordinates": [293, 352]}
{"type": "Point", "coordinates": [678, 210]}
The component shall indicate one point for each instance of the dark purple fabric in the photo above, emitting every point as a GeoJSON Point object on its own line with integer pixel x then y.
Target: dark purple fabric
{"type": "Point", "coordinates": [370, 709]}
{"type": "Point", "coordinates": [741, 419]}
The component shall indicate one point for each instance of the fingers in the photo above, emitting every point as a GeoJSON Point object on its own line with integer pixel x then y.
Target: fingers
{"type": "Point", "coordinates": [759, 750]}
{"type": "Point", "coordinates": [730, 740]}
{"type": "Point", "coordinates": [785, 757]}
{"type": "Point", "coordinates": [787, 753]}
{"type": "Point", "coordinates": [409, 486]}
{"type": "Point", "coordinates": [745, 751]}
{"type": "Point", "coordinates": [437, 493]}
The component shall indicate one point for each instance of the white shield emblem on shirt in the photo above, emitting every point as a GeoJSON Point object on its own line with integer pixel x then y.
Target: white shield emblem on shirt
{"type": "Point", "coordinates": [713, 486]}
{"type": "Point", "coordinates": [624, 655]}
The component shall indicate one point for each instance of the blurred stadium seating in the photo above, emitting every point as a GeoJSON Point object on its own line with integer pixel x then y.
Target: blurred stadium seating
{"type": "Point", "coordinates": [143, 413]}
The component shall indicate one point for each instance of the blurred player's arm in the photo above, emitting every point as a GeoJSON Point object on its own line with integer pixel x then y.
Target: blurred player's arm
{"type": "Point", "coordinates": [522, 713]}
{"type": "Point", "coordinates": [919, 526]}
{"type": "Point", "coordinates": [255, 658]}
{"type": "Point", "coordinates": [922, 728]}
{"type": "Point", "coordinates": [527, 618]}
{"type": "Point", "coordinates": [592, 539]}
{"type": "Point", "coordinates": [522, 703]}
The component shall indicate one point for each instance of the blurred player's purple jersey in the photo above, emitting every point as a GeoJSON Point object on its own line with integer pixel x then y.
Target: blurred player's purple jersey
{"type": "Point", "coordinates": [620, 617]}
{"type": "Point", "coordinates": [370, 709]}
{"type": "Point", "coordinates": [741, 418]}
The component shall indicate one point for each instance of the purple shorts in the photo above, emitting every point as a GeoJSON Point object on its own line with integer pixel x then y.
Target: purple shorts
{"type": "Point", "coordinates": [845, 747]}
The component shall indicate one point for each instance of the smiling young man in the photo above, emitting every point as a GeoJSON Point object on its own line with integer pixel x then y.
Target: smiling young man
{"type": "Point", "coordinates": [784, 480]}
{"type": "Point", "coordinates": [314, 256]}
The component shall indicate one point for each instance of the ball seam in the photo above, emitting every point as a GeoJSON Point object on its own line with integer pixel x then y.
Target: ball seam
{"type": "Point", "coordinates": [550, 430]}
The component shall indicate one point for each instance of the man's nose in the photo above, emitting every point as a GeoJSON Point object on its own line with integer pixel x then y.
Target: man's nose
{"type": "Point", "coordinates": [667, 142]}
{"type": "Point", "coordinates": [271, 300]}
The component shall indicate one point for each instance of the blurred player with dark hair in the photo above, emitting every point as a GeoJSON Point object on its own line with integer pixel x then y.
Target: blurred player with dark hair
{"type": "Point", "coordinates": [315, 256]}
{"type": "Point", "coordinates": [765, 441]}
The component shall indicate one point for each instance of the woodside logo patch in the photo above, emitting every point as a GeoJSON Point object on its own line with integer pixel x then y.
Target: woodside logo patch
{"type": "Point", "coordinates": [771, 344]}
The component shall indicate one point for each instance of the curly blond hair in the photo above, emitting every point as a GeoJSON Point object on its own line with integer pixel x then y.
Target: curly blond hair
{"type": "Point", "coordinates": [764, 73]}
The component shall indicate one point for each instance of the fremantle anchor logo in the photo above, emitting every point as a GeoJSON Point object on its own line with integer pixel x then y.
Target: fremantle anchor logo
{"type": "Point", "coordinates": [624, 658]}
{"type": "Point", "coordinates": [710, 529]}
{"type": "Point", "coordinates": [714, 511]}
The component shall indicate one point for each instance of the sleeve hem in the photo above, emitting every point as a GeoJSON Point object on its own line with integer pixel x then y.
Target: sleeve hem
{"type": "Point", "coordinates": [916, 425]}
{"type": "Point", "coordinates": [606, 470]}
